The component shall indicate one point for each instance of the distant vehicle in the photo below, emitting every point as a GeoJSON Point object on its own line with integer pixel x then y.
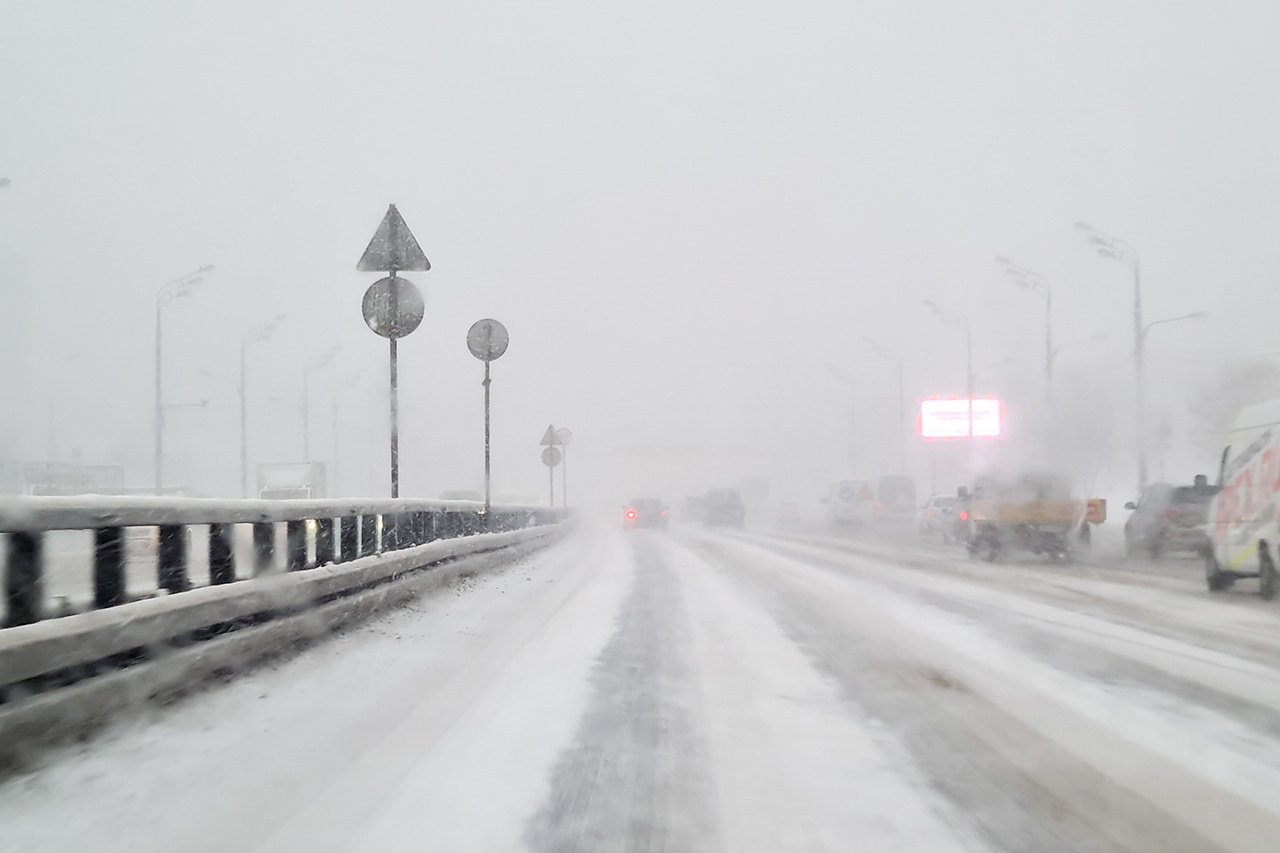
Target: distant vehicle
{"type": "Point", "coordinates": [645, 512]}
{"type": "Point", "coordinates": [895, 498]}
{"type": "Point", "coordinates": [724, 508]}
{"type": "Point", "coordinates": [1243, 524]}
{"type": "Point", "coordinates": [938, 516]}
{"type": "Point", "coordinates": [1034, 512]}
{"type": "Point", "coordinates": [1170, 518]}
{"type": "Point", "coordinates": [291, 480]}
{"type": "Point", "coordinates": [851, 503]}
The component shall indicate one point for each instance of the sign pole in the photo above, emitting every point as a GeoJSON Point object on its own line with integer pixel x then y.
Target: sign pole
{"type": "Point", "coordinates": [487, 471]}
{"type": "Point", "coordinates": [395, 398]}
{"type": "Point", "coordinates": [551, 485]}
{"type": "Point", "coordinates": [564, 476]}
{"type": "Point", "coordinates": [393, 307]}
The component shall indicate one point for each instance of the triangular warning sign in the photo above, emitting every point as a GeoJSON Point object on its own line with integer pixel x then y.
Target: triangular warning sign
{"type": "Point", "coordinates": [393, 247]}
{"type": "Point", "coordinates": [549, 438]}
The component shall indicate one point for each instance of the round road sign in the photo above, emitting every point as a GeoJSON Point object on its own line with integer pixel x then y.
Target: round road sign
{"type": "Point", "coordinates": [487, 339]}
{"type": "Point", "coordinates": [565, 436]}
{"type": "Point", "coordinates": [389, 321]}
{"type": "Point", "coordinates": [551, 456]}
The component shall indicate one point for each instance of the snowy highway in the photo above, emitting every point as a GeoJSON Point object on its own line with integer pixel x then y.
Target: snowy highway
{"type": "Point", "coordinates": [695, 690]}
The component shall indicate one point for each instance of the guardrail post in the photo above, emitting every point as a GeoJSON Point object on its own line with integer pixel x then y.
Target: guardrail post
{"type": "Point", "coordinates": [23, 586]}
{"type": "Point", "coordinates": [264, 546]}
{"type": "Point", "coordinates": [171, 559]}
{"type": "Point", "coordinates": [325, 542]}
{"type": "Point", "coordinates": [348, 537]}
{"type": "Point", "coordinates": [368, 535]}
{"type": "Point", "coordinates": [421, 530]}
{"type": "Point", "coordinates": [295, 534]}
{"type": "Point", "coordinates": [108, 566]}
{"type": "Point", "coordinates": [222, 558]}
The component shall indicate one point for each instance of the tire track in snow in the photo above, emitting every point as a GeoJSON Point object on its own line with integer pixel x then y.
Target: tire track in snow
{"type": "Point", "coordinates": [635, 777]}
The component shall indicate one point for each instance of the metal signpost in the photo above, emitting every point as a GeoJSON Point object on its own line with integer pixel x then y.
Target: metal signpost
{"type": "Point", "coordinates": [551, 457]}
{"type": "Point", "coordinates": [566, 438]}
{"type": "Point", "coordinates": [393, 306]}
{"type": "Point", "coordinates": [487, 340]}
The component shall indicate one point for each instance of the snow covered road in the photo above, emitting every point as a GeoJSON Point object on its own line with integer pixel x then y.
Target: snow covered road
{"type": "Point", "coordinates": [697, 691]}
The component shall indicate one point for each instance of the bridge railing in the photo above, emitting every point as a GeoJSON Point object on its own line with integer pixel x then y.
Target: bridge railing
{"type": "Point", "coordinates": [317, 533]}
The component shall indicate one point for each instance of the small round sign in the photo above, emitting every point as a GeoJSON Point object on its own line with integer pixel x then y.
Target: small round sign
{"type": "Point", "coordinates": [393, 307]}
{"type": "Point", "coordinates": [487, 339]}
{"type": "Point", "coordinates": [551, 456]}
{"type": "Point", "coordinates": [565, 436]}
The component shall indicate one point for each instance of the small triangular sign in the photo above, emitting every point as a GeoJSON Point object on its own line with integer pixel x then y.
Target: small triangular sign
{"type": "Point", "coordinates": [549, 438]}
{"type": "Point", "coordinates": [393, 247]}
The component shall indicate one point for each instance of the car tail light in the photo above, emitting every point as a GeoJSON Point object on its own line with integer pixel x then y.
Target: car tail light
{"type": "Point", "coordinates": [964, 516]}
{"type": "Point", "coordinates": [664, 513]}
{"type": "Point", "coordinates": [1173, 512]}
{"type": "Point", "coordinates": [631, 515]}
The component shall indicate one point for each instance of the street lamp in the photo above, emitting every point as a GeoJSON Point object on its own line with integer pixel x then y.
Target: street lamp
{"type": "Point", "coordinates": [886, 354]}
{"type": "Point", "coordinates": [175, 289]}
{"type": "Point", "coordinates": [321, 361]}
{"type": "Point", "coordinates": [1118, 250]}
{"type": "Point", "coordinates": [253, 336]}
{"type": "Point", "coordinates": [1053, 353]}
{"type": "Point", "coordinates": [1038, 283]}
{"type": "Point", "coordinates": [962, 322]}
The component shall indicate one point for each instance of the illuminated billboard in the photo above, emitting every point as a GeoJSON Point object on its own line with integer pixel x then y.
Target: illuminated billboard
{"type": "Point", "coordinates": [950, 418]}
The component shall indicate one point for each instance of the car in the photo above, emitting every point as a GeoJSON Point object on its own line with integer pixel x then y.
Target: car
{"type": "Point", "coordinates": [724, 508]}
{"type": "Point", "coordinates": [645, 512]}
{"type": "Point", "coordinates": [1169, 519]}
{"type": "Point", "coordinates": [938, 516]}
{"type": "Point", "coordinates": [1243, 527]}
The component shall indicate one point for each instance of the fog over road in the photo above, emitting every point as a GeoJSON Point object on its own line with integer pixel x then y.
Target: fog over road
{"type": "Point", "coordinates": [693, 690]}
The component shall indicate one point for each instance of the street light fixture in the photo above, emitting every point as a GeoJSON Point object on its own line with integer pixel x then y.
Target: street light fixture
{"type": "Point", "coordinates": [1034, 281]}
{"type": "Point", "coordinates": [320, 361]}
{"type": "Point", "coordinates": [960, 321]}
{"type": "Point", "coordinates": [253, 336]}
{"type": "Point", "coordinates": [1053, 354]}
{"type": "Point", "coordinates": [1117, 249]}
{"type": "Point", "coordinates": [176, 289]}
{"type": "Point", "coordinates": [890, 356]}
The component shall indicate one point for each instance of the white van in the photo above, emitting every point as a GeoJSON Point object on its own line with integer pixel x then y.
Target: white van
{"type": "Point", "coordinates": [1243, 526]}
{"type": "Point", "coordinates": [851, 503]}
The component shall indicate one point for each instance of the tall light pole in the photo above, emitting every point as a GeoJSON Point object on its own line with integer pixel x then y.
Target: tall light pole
{"type": "Point", "coordinates": [1117, 249]}
{"type": "Point", "coordinates": [1038, 283]}
{"type": "Point", "coordinates": [322, 360]}
{"type": "Point", "coordinates": [253, 336]}
{"type": "Point", "coordinates": [960, 321]}
{"type": "Point", "coordinates": [888, 355]}
{"type": "Point", "coordinates": [175, 289]}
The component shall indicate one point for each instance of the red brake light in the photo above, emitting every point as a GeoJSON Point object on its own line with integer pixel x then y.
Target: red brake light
{"type": "Point", "coordinates": [964, 515]}
{"type": "Point", "coordinates": [664, 513]}
{"type": "Point", "coordinates": [631, 515]}
{"type": "Point", "coordinates": [1172, 512]}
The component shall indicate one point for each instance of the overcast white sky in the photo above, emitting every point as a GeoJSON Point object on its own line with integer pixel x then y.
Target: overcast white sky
{"type": "Point", "coordinates": [688, 214]}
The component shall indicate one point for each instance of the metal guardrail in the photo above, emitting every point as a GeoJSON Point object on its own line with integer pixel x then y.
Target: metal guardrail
{"type": "Point", "coordinates": [337, 531]}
